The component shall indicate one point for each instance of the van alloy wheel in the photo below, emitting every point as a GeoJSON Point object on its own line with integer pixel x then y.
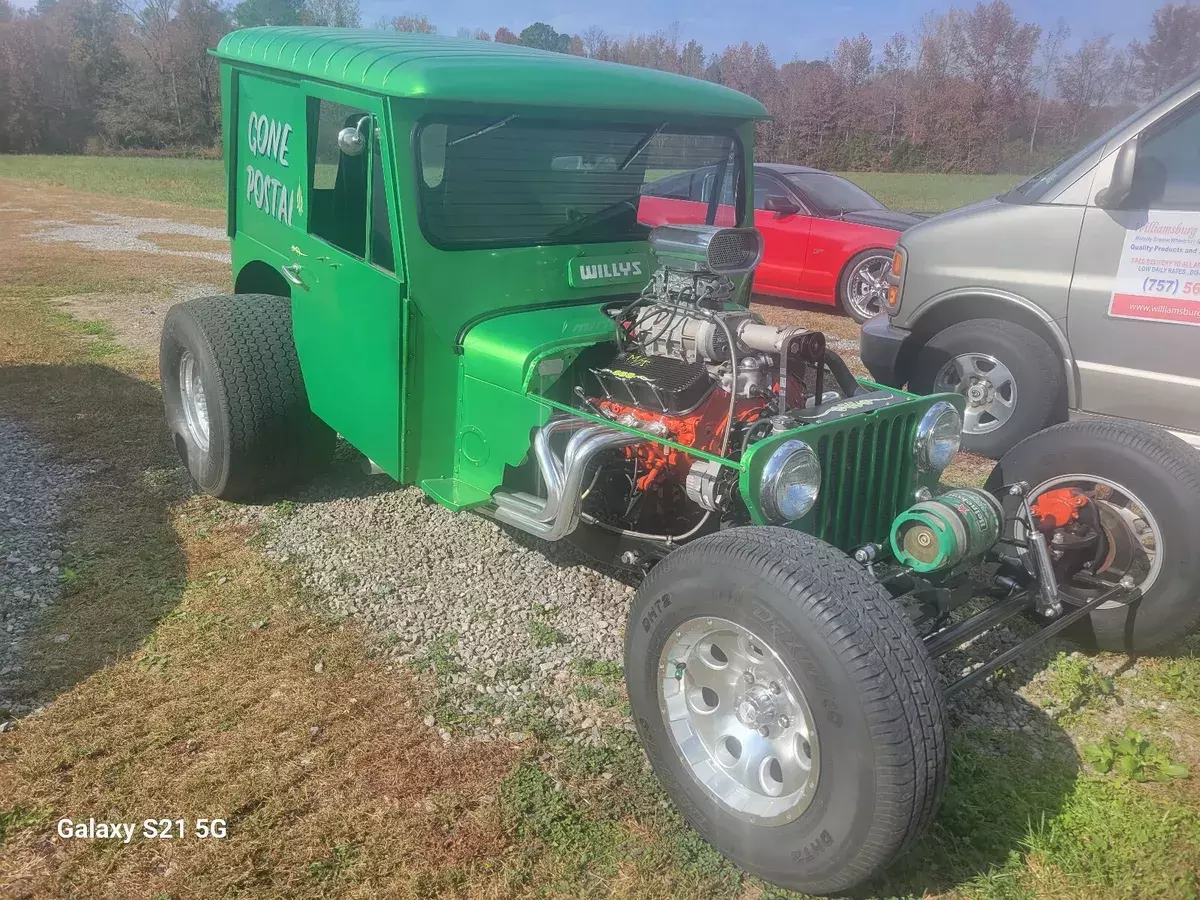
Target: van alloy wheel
{"type": "Point", "coordinates": [739, 721]}
{"type": "Point", "coordinates": [988, 385]}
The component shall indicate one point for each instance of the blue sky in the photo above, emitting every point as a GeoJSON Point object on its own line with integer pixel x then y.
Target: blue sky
{"type": "Point", "coordinates": [791, 28]}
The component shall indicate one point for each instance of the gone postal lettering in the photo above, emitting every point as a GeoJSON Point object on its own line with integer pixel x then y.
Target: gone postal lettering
{"type": "Point", "coordinates": [97, 831]}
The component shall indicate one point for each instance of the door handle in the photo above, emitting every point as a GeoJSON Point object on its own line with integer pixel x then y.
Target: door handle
{"type": "Point", "coordinates": [292, 274]}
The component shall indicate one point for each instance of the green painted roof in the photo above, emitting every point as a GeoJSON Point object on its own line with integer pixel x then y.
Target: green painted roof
{"type": "Point", "coordinates": [455, 69]}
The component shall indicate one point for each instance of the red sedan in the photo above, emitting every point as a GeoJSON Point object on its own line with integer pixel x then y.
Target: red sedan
{"type": "Point", "coordinates": [826, 239]}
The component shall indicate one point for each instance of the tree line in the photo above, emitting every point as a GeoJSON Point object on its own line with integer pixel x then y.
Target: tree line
{"type": "Point", "coordinates": [967, 90]}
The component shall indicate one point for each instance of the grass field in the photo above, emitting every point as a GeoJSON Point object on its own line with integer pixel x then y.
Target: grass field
{"type": "Point", "coordinates": [203, 680]}
{"type": "Point", "coordinates": [200, 182]}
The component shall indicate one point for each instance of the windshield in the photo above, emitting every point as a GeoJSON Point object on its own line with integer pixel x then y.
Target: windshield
{"type": "Point", "coordinates": [1037, 186]}
{"type": "Point", "coordinates": [831, 194]}
{"type": "Point", "coordinates": [488, 182]}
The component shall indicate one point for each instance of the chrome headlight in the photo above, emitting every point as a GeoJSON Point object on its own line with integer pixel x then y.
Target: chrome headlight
{"type": "Point", "coordinates": [938, 438]}
{"type": "Point", "coordinates": [791, 481]}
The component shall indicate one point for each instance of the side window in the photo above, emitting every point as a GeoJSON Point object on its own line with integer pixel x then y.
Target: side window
{"type": "Point", "coordinates": [338, 185]}
{"type": "Point", "coordinates": [677, 187]}
{"type": "Point", "coordinates": [765, 187]}
{"type": "Point", "coordinates": [726, 189]}
{"type": "Point", "coordinates": [1167, 173]}
{"type": "Point", "coordinates": [381, 231]}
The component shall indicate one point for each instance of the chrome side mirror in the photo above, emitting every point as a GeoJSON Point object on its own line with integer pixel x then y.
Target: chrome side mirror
{"type": "Point", "coordinates": [351, 140]}
{"type": "Point", "coordinates": [1121, 185]}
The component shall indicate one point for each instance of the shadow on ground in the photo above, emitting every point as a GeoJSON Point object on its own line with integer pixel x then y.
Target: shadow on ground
{"type": "Point", "coordinates": [123, 569]}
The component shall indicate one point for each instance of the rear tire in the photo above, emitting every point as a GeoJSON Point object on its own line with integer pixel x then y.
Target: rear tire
{"type": "Point", "coordinates": [235, 399]}
{"type": "Point", "coordinates": [1032, 378]}
{"type": "Point", "coordinates": [878, 754]}
{"type": "Point", "coordinates": [1163, 473]}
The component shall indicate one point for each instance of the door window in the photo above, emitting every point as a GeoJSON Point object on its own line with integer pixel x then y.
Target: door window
{"type": "Point", "coordinates": [765, 187]}
{"type": "Point", "coordinates": [1167, 173]}
{"type": "Point", "coordinates": [381, 230]}
{"type": "Point", "coordinates": [338, 192]}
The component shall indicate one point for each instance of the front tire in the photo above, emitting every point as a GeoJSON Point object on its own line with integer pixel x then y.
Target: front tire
{"type": "Point", "coordinates": [1149, 484]}
{"type": "Point", "coordinates": [863, 285]}
{"type": "Point", "coordinates": [235, 399]}
{"type": "Point", "coordinates": [1012, 379]}
{"type": "Point", "coordinates": [852, 765]}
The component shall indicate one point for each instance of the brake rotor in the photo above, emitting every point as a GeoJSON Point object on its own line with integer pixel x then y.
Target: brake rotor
{"type": "Point", "coordinates": [1126, 551]}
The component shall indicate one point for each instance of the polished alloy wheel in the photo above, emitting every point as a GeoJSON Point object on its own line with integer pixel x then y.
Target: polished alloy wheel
{"type": "Point", "coordinates": [1133, 538]}
{"type": "Point", "coordinates": [195, 402]}
{"type": "Point", "coordinates": [739, 721]}
{"type": "Point", "coordinates": [988, 385]}
{"type": "Point", "coordinates": [868, 285]}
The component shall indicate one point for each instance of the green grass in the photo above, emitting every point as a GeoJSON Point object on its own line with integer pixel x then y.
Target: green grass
{"type": "Point", "coordinates": [201, 182]}
{"type": "Point", "coordinates": [924, 192]}
{"type": "Point", "coordinates": [189, 182]}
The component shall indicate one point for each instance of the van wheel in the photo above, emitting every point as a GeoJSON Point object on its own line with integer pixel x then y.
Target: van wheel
{"type": "Point", "coordinates": [235, 398]}
{"type": "Point", "coordinates": [863, 287]}
{"type": "Point", "coordinates": [1143, 490]}
{"type": "Point", "coordinates": [787, 706]}
{"type": "Point", "coordinates": [1011, 378]}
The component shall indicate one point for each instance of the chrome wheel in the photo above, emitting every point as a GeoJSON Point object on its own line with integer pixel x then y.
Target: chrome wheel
{"type": "Point", "coordinates": [194, 400]}
{"type": "Point", "coordinates": [867, 286]}
{"type": "Point", "coordinates": [1134, 540]}
{"type": "Point", "coordinates": [988, 385]}
{"type": "Point", "coordinates": [739, 721]}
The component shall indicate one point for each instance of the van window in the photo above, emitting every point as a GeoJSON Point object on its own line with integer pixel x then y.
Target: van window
{"type": "Point", "coordinates": [1167, 174]}
{"type": "Point", "coordinates": [338, 184]}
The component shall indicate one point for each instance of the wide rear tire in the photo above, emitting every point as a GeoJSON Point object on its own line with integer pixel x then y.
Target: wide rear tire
{"type": "Point", "coordinates": [235, 399]}
{"type": "Point", "coordinates": [838, 663]}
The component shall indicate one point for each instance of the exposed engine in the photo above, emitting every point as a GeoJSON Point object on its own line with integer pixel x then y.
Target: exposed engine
{"type": "Point", "coordinates": [693, 368]}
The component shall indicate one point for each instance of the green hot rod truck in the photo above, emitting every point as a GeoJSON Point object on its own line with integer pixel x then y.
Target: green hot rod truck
{"type": "Point", "coordinates": [438, 255]}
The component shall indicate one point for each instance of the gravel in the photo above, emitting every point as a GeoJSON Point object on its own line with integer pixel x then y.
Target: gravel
{"type": "Point", "coordinates": [500, 615]}
{"type": "Point", "coordinates": [508, 618]}
{"type": "Point", "coordinates": [34, 489]}
{"type": "Point", "coordinates": [113, 232]}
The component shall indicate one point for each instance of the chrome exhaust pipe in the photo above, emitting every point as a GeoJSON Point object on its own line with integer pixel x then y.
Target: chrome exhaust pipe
{"type": "Point", "coordinates": [555, 516]}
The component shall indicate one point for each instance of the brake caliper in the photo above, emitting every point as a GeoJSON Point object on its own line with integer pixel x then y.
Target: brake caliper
{"type": "Point", "coordinates": [1058, 509]}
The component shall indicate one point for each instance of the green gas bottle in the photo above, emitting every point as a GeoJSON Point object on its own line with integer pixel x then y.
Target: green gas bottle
{"type": "Point", "coordinates": [941, 533]}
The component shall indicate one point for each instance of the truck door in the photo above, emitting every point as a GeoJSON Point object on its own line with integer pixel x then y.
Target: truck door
{"type": "Point", "coordinates": [346, 275]}
{"type": "Point", "coordinates": [1133, 317]}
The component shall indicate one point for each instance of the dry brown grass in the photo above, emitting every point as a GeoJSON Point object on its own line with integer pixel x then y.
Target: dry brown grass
{"type": "Point", "coordinates": [187, 242]}
{"type": "Point", "coordinates": [197, 681]}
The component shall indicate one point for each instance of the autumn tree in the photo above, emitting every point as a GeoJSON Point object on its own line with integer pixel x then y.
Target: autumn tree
{"type": "Point", "coordinates": [1086, 78]}
{"type": "Point", "coordinates": [1171, 53]}
{"type": "Point", "coordinates": [417, 24]}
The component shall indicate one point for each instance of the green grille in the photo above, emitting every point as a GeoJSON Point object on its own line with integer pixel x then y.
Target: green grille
{"type": "Point", "coordinates": [866, 478]}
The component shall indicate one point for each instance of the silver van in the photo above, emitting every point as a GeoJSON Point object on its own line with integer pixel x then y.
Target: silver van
{"type": "Point", "coordinates": [1077, 292]}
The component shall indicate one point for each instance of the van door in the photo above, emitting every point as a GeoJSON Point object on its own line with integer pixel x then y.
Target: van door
{"type": "Point", "coordinates": [347, 282]}
{"type": "Point", "coordinates": [1133, 318]}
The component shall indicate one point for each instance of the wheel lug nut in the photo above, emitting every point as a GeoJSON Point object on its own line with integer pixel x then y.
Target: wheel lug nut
{"type": "Point", "coordinates": [775, 688]}
{"type": "Point", "coordinates": [748, 677]}
{"type": "Point", "coordinates": [764, 731]}
{"type": "Point", "coordinates": [784, 721]}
